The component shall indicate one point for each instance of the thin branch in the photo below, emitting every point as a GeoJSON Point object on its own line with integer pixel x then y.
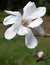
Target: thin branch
{"type": "Point", "coordinates": [42, 59]}
{"type": "Point", "coordinates": [45, 35]}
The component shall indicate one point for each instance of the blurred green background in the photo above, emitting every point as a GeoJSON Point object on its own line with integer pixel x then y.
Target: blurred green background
{"type": "Point", "coordinates": [15, 52]}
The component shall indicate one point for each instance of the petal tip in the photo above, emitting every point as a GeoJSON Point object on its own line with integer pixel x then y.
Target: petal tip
{"type": "Point", "coordinates": [7, 37]}
{"type": "Point", "coordinates": [33, 46]}
{"type": "Point", "coordinates": [44, 9]}
{"type": "Point", "coordinates": [5, 11]}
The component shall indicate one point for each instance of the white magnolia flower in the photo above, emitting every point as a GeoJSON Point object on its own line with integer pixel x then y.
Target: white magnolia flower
{"type": "Point", "coordinates": [40, 54]}
{"type": "Point", "coordinates": [31, 18]}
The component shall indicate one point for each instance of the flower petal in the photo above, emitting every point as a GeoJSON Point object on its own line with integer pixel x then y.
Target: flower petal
{"type": "Point", "coordinates": [40, 30]}
{"type": "Point", "coordinates": [30, 40]}
{"type": "Point", "coordinates": [23, 30]}
{"type": "Point", "coordinates": [11, 19]}
{"type": "Point", "coordinates": [39, 12]}
{"type": "Point", "coordinates": [29, 9]}
{"type": "Point", "coordinates": [12, 12]}
{"type": "Point", "coordinates": [35, 23]}
{"type": "Point", "coordinates": [11, 32]}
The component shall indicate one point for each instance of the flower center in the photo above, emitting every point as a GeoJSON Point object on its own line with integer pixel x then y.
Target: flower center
{"type": "Point", "coordinates": [24, 22]}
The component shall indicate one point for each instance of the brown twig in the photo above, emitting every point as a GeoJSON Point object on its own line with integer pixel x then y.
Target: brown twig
{"type": "Point", "coordinates": [45, 35]}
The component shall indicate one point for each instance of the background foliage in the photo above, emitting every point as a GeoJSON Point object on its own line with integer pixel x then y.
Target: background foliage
{"type": "Point", "coordinates": [18, 4]}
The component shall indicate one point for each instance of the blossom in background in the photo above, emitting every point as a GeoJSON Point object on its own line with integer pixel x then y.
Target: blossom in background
{"type": "Point", "coordinates": [40, 54]}
{"type": "Point", "coordinates": [22, 24]}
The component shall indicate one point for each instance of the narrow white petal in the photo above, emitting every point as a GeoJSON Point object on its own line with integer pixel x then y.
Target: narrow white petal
{"type": "Point", "coordinates": [40, 30]}
{"type": "Point", "coordinates": [39, 12]}
{"type": "Point", "coordinates": [30, 40]}
{"type": "Point", "coordinates": [29, 9]}
{"type": "Point", "coordinates": [8, 12]}
{"type": "Point", "coordinates": [11, 32]}
{"type": "Point", "coordinates": [23, 30]}
{"type": "Point", "coordinates": [12, 12]}
{"type": "Point", "coordinates": [11, 19]}
{"type": "Point", "coordinates": [35, 23]}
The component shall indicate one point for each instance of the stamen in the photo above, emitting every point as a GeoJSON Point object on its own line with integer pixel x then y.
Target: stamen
{"type": "Point", "coordinates": [24, 22]}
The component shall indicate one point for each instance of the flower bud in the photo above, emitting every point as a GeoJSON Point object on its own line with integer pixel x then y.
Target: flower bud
{"type": "Point", "coordinates": [40, 54]}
